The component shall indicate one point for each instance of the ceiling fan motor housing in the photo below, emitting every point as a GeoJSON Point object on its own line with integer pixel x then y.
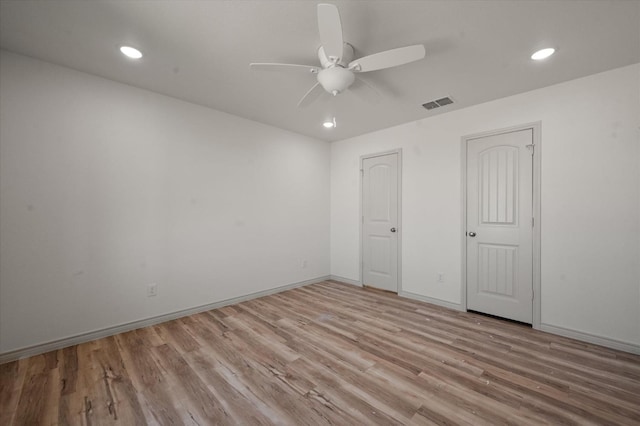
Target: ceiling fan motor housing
{"type": "Point", "coordinates": [347, 57]}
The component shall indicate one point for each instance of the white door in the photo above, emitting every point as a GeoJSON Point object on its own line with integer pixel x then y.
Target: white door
{"type": "Point", "coordinates": [499, 225]}
{"type": "Point", "coordinates": [380, 222]}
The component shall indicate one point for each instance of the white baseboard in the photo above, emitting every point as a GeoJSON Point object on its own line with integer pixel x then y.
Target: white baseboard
{"type": "Point", "coordinates": [561, 331]}
{"type": "Point", "coordinates": [345, 280]}
{"type": "Point", "coordinates": [110, 331]}
{"type": "Point", "coordinates": [433, 301]}
{"type": "Point", "coordinates": [121, 328]}
{"type": "Point", "coordinates": [591, 338]}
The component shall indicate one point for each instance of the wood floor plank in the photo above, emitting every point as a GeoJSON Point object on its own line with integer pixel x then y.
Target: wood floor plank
{"type": "Point", "coordinates": [241, 409]}
{"type": "Point", "coordinates": [153, 390]}
{"type": "Point", "coordinates": [358, 382]}
{"type": "Point", "coordinates": [326, 354]}
{"type": "Point", "coordinates": [36, 388]}
{"type": "Point", "coordinates": [203, 406]}
{"type": "Point", "coordinates": [122, 401]}
{"type": "Point", "coordinates": [331, 388]}
{"type": "Point", "coordinates": [12, 376]}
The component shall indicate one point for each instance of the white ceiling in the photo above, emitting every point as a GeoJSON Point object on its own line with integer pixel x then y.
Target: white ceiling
{"type": "Point", "coordinates": [200, 51]}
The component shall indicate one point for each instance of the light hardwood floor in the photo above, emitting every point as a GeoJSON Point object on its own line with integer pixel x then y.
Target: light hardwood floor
{"type": "Point", "coordinates": [328, 353]}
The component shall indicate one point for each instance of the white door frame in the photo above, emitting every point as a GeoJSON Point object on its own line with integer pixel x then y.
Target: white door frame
{"type": "Point", "coordinates": [536, 128]}
{"type": "Point", "coordinates": [399, 226]}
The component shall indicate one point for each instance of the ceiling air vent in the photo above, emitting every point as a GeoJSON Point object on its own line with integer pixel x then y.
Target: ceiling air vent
{"type": "Point", "coordinates": [437, 103]}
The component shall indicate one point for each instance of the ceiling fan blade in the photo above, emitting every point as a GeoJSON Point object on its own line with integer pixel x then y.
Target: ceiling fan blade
{"type": "Point", "coordinates": [388, 58]}
{"type": "Point", "coordinates": [330, 29]}
{"type": "Point", "coordinates": [365, 91]}
{"type": "Point", "coordinates": [284, 67]}
{"type": "Point", "coordinates": [311, 95]}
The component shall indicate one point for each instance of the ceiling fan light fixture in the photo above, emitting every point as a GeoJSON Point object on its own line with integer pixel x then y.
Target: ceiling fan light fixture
{"type": "Point", "coordinates": [336, 79]}
{"type": "Point", "coordinates": [131, 52]}
{"type": "Point", "coordinates": [543, 54]}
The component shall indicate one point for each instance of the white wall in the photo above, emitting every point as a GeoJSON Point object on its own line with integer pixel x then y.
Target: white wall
{"type": "Point", "coordinates": [106, 188]}
{"type": "Point", "coordinates": [590, 199]}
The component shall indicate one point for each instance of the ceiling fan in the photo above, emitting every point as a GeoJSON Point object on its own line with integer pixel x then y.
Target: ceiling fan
{"type": "Point", "coordinates": [338, 68]}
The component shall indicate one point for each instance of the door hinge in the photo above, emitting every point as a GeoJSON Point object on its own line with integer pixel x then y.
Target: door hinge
{"type": "Point", "coordinates": [531, 147]}
{"type": "Point", "coordinates": [533, 222]}
{"type": "Point", "coordinates": [362, 219]}
{"type": "Point", "coordinates": [362, 172]}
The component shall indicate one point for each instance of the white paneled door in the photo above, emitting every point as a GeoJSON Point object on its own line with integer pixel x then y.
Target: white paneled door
{"type": "Point", "coordinates": [499, 225]}
{"type": "Point", "coordinates": [380, 222]}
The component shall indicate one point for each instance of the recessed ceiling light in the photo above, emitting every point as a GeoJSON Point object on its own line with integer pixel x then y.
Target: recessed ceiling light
{"type": "Point", "coordinates": [543, 54]}
{"type": "Point", "coordinates": [330, 124]}
{"type": "Point", "coordinates": [131, 52]}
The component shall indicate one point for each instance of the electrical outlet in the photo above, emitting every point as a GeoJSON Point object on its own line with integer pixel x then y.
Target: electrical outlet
{"type": "Point", "coordinates": [152, 290]}
{"type": "Point", "coordinates": [304, 264]}
{"type": "Point", "coordinates": [440, 277]}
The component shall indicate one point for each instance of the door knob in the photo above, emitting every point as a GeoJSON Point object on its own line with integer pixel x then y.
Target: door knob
{"type": "Point", "coordinates": [472, 234]}
{"type": "Point", "coordinates": [393, 229]}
